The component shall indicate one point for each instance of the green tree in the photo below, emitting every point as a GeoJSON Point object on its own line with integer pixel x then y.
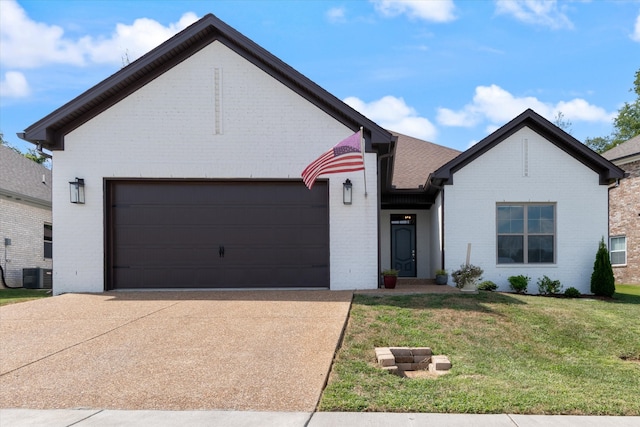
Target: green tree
{"type": "Point", "coordinates": [602, 280]}
{"type": "Point", "coordinates": [559, 120]}
{"type": "Point", "coordinates": [35, 156]}
{"type": "Point", "coordinates": [626, 125]}
{"type": "Point", "coordinates": [31, 155]}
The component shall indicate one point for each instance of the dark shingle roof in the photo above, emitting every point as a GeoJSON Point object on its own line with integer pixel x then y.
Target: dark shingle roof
{"type": "Point", "coordinates": [416, 159]}
{"type": "Point", "coordinates": [626, 149]}
{"type": "Point", "coordinates": [21, 178]}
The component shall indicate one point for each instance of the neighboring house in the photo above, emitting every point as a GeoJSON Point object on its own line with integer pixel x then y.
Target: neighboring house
{"type": "Point", "coordinates": [191, 158]}
{"type": "Point", "coordinates": [25, 216]}
{"type": "Point", "coordinates": [624, 213]}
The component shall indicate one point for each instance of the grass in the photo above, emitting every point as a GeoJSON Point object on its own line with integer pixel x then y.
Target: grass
{"type": "Point", "coordinates": [12, 296]}
{"type": "Point", "coordinates": [510, 354]}
{"type": "Point", "coordinates": [628, 290]}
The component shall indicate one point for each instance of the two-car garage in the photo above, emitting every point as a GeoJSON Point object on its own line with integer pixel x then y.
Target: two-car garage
{"type": "Point", "coordinates": [163, 234]}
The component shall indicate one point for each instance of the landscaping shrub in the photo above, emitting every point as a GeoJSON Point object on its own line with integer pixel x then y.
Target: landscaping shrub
{"type": "Point", "coordinates": [487, 285]}
{"type": "Point", "coordinates": [572, 293]}
{"type": "Point", "coordinates": [547, 286]}
{"type": "Point", "coordinates": [519, 283]}
{"type": "Point", "coordinates": [603, 282]}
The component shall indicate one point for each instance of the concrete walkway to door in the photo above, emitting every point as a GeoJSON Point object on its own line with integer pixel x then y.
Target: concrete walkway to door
{"type": "Point", "coordinates": [190, 350]}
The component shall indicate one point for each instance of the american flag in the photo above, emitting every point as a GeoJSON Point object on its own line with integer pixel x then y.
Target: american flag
{"type": "Point", "coordinates": [346, 156]}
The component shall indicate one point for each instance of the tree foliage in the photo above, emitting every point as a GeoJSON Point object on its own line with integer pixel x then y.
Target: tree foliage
{"type": "Point", "coordinates": [626, 125]}
{"type": "Point", "coordinates": [31, 154]}
{"type": "Point", "coordinates": [602, 280]}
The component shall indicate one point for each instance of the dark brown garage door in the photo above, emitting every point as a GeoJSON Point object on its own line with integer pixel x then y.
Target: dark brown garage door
{"type": "Point", "coordinates": [217, 234]}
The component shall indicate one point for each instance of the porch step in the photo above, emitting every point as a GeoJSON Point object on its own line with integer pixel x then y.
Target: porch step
{"type": "Point", "coordinates": [413, 281]}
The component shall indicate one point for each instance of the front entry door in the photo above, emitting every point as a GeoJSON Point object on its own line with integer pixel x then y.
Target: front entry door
{"type": "Point", "coordinates": [403, 244]}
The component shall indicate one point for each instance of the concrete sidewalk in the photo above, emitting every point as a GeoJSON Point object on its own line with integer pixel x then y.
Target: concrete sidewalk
{"type": "Point", "coordinates": [113, 418]}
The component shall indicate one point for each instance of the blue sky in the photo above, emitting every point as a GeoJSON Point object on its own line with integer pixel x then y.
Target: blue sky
{"type": "Point", "coordinates": [450, 72]}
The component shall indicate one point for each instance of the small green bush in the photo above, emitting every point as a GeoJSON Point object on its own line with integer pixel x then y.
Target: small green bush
{"type": "Point", "coordinates": [487, 285]}
{"type": "Point", "coordinates": [603, 282]}
{"type": "Point", "coordinates": [572, 293]}
{"type": "Point", "coordinates": [519, 283]}
{"type": "Point", "coordinates": [547, 286]}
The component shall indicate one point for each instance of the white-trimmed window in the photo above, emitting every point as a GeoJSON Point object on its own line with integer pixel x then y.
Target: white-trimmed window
{"type": "Point", "coordinates": [618, 250]}
{"type": "Point", "coordinates": [526, 233]}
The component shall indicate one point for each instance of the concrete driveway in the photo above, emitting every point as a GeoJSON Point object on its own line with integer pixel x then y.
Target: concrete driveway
{"type": "Point", "coordinates": [232, 350]}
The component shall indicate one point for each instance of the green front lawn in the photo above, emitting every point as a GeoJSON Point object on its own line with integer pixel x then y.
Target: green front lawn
{"type": "Point", "coordinates": [628, 290]}
{"type": "Point", "coordinates": [11, 296]}
{"type": "Point", "coordinates": [510, 354]}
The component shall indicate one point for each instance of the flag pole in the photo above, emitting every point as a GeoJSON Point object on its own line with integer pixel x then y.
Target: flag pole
{"type": "Point", "coordinates": [364, 170]}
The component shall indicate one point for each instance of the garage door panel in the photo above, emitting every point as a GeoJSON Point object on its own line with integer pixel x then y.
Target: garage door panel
{"type": "Point", "coordinates": [165, 234]}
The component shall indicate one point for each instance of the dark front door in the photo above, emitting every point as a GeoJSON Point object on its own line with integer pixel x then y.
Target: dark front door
{"type": "Point", "coordinates": [217, 234]}
{"type": "Point", "coordinates": [403, 244]}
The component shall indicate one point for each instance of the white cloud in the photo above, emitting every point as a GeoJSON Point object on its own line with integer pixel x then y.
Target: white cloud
{"type": "Point", "coordinates": [25, 43]}
{"type": "Point", "coordinates": [14, 85]}
{"type": "Point", "coordinates": [433, 10]}
{"type": "Point", "coordinates": [536, 12]}
{"type": "Point", "coordinates": [394, 114]}
{"type": "Point", "coordinates": [496, 106]}
{"type": "Point", "coordinates": [635, 36]}
{"type": "Point", "coordinates": [337, 15]}
{"type": "Point", "coordinates": [135, 40]}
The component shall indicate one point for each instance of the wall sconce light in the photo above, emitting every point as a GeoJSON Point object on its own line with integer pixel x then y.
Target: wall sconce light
{"type": "Point", "coordinates": [76, 191]}
{"type": "Point", "coordinates": [347, 193]}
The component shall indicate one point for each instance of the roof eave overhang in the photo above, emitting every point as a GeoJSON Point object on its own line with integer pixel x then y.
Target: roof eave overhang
{"type": "Point", "coordinates": [49, 132]}
{"type": "Point", "coordinates": [607, 171]}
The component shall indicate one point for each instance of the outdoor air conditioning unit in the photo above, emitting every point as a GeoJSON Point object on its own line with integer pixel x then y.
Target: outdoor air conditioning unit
{"type": "Point", "coordinates": [37, 278]}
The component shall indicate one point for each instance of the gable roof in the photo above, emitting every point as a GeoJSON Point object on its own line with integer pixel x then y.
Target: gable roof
{"type": "Point", "coordinates": [415, 159]}
{"type": "Point", "coordinates": [607, 171]}
{"type": "Point", "coordinates": [22, 178]}
{"type": "Point", "coordinates": [50, 130]}
{"type": "Point", "coordinates": [625, 152]}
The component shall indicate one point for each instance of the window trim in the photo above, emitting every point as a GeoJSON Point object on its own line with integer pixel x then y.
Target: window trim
{"type": "Point", "coordinates": [525, 233]}
{"type": "Point", "coordinates": [611, 251]}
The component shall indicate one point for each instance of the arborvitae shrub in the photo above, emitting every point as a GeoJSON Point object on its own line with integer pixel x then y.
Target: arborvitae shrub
{"type": "Point", "coordinates": [603, 282]}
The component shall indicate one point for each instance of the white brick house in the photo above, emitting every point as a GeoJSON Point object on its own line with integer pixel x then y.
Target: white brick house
{"type": "Point", "coordinates": [191, 158]}
{"type": "Point", "coordinates": [531, 200]}
{"type": "Point", "coordinates": [25, 216]}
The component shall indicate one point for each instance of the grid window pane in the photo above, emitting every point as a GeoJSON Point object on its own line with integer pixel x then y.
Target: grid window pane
{"type": "Point", "coordinates": [540, 249]}
{"type": "Point", "coordinates": [618, 244]}
{"type": "Point", "coordinates": [526, 233]}
{"type": "Point", "coordinates": [618, 250]}
{"type": "Point", "coordinates": [510, 249]}
{"type": "Point", "coordinates": [618, 258]}
{"type": "Point", "coordinates": [510, 219]}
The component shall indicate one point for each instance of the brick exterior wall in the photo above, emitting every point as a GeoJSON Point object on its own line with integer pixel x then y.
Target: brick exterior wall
{"type": "Point", "coordinates": [550, 176]}
{"type": "Point", "coordinates": [23, 223]}
{"type": "Point", "coordinates": [181, 126]}
{"type": "Point", "coordinates": [624, 220]}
